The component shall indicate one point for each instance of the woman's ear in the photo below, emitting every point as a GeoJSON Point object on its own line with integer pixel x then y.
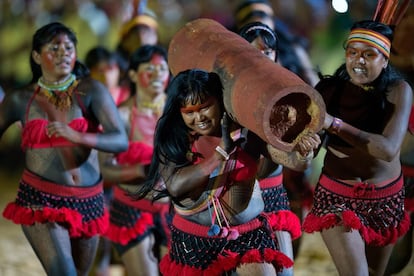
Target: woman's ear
{"type": "Point", "coordinates": [36, 57]}
{"type": "Point", "coordinates": [385, 64]}
{"type": "Point", "coordinates": [132, 74]}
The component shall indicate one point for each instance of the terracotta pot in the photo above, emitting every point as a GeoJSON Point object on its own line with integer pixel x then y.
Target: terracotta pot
{"type": "Point", "coordinates": [259, 94]}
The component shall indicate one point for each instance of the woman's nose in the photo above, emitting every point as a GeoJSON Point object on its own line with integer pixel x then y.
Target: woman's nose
{"type": "Point", "coordinates": [199, 116]}
{"type": "Point", "coordinates": [361, 59]}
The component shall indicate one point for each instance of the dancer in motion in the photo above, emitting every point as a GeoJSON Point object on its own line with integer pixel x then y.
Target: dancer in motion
{"type": "Point", "coordinates": [359, 200]}
{"type": "Point", "coordinates": [60, 202]}
{"type": "Point", "coordinates": [207, 165]}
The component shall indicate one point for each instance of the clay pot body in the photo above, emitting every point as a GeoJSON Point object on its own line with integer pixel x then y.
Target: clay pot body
{"type": "Point", "coordinates": [259, 94]}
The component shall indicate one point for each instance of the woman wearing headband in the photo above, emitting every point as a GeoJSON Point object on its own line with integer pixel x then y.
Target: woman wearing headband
{"type": "Point", "coordinates": [285, 224]}
{"type": "Point", "coordinates": [207, 165]}
{"type": "Point", "coordinates": [359, 200]}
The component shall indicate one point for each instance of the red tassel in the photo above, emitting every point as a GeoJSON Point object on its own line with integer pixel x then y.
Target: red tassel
{"type": "Point", "coordinates": [390, 235]}
{"type": "Point", "coordinates": [279, 259]}
{"type": "Point", "coordinates": [285, 220]}
{"type": "Point", "coordinates": [123, 235]}
{"type": "Point", "coordinates": [225, 262]}
{"type": "Point", "coordinates": [314, 223]}
{"type": "Point", "coordinates": [71, 218]}
{"type": "Point", "coordinates": [228, 260]}
{"type": "Point", "coordinates": [251, 256]}
{"type": "Point", "coordinates": [351, 220]}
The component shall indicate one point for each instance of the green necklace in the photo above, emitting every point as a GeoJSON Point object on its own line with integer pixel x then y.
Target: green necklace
{"type": "Point", "coordinates": [60, 95]}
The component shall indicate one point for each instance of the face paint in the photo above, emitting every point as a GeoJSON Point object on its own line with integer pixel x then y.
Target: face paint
{"type": "Point", "coordinates": [154, 70]}
{"type": "Point", "coordinates": [57, 58]}
{"type": "Point", "coordinates": [203, 118]}
{"type": "Point", "coordinates": [196, 108]}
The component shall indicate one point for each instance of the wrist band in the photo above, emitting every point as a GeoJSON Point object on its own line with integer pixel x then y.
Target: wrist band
{"type": "Point", "coordinates": [335, 126]}
{"type": "Point", "coordinates": [223, 153]}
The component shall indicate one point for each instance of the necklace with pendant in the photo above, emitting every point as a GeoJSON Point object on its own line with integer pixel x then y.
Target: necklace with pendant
{"type": "Point", "coordinates": [60, 95]}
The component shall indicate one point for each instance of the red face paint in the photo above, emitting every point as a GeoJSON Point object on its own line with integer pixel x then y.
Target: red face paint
{"type": "Point", "coordinates": [155, 69]}
{"type": "Point", "coordinates": [58, 57]}
{"type": "Point", "coordinates": [196, 108]}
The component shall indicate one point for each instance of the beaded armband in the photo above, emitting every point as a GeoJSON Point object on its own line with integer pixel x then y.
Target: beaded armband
{"type": "Point", "coordinates": [335, 126]}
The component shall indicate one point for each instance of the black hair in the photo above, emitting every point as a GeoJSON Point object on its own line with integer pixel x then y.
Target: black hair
{"type": "Point", "coordinates": [45, 35]}
{"type": "Point", "coordinates": [389, 75]}
{"type": "Point", "coordinates": [172, 140]}
{"type": "Point", "coordinates": [144, 54]}
{"type": "Point", "coordinates": [286, 41]}
{"type": "Point", "coordinates": [99, 54]}
{"type": "Point", "coordinates": [253, 30]}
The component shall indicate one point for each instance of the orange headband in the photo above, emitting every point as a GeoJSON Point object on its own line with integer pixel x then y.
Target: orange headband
{"type": "Point", "coordinates": [142, 19]}
{"type": "Point", "coordinates": [371, 38]}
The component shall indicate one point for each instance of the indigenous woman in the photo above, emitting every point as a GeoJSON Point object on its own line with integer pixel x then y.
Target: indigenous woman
{"type": "Point", "coordinates": [103, 65]}
{"type": "Point", "coordinates": [60, 202]}
{"type": "Point", "coordinates": [207, 165]}
{"type": "Point", "coordinates": [359, 200]}
{"type": "Point", "coordinates": [292, 54]}
{"type": "Point", "coordinates": [139, 228]}
{"type": "Point", "coordinates": [284, 222]}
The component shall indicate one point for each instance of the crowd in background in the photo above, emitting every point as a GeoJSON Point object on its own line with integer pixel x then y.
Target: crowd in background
{"type": "Point", "coordinates": [99, 22]}
{"type": "Point", "coordinates": [103, 24]}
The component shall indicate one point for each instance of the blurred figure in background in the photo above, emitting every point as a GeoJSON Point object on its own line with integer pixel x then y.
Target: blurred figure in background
{"type": "Point", "coordinates": [141, 29]}
{"type": "Point", "coordinates": [293, 53]}
{"type": "Point", "coordinates": [285, 224]}
{"type": "Point", "coordinates": [60, 202]}
{"type": "Point", "coordinates": [139, 228]}
{"type": "Point", "coordinates": [103, 66]}
{"type": "Point", "coordinates": [293, 56]}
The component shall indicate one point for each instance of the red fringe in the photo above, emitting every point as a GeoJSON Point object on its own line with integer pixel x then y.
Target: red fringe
{"type": "Point", "coordinates": [285, 220]}
{"type": "Point", "coordinates": [387, 236]}
{"type": "Point", "coordinates": [226, 262]}
{"type": "Point", "coordinates": [69, 218]}
{"type": "Point", "coordinates": [137, 153]}
{"type": "Point", "coordinates": [123, 235]}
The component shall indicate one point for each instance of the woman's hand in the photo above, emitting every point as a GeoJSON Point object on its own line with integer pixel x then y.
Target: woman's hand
{"type": "Point", "coordinates": [307, 144]}
{"type": "Point", "coordinates": [227, 141]}
{"type": "Point", "coordinates": [59, 129]}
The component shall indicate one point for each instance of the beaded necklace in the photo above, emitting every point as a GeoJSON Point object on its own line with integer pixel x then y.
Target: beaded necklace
{"type": "Point", "coordinates": [60, 95]}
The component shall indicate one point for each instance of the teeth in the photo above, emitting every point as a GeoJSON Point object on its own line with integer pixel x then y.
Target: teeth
{"type": "Point", "coordinates": [202, 125]}
{"type": "Point", "coordinates": [359, 70]}
{"type": "Point", "coordinates": [156, 83]}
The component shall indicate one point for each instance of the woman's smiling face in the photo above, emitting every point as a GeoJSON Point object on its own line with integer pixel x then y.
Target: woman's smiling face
{"type": "Point", "coordinates": [203, 117]}
{"type": "Point", "coordinates": [364, 63]}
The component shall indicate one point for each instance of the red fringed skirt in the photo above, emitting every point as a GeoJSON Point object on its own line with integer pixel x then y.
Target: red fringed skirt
{"type": "Point", "coordinates": [133, 220]}
{"type": "Point", "coordinates": [376, 211]}
{"type": "Point", "coordinates": [79, 209]}
{"type": "Point", "coordinates": [277, 206]}
{"type": "Point", "coordinates": [193, 252]}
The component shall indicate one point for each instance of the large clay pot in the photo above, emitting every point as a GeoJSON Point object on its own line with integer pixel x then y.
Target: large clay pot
{"type": "Point", "coordinates": [259, 94]}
